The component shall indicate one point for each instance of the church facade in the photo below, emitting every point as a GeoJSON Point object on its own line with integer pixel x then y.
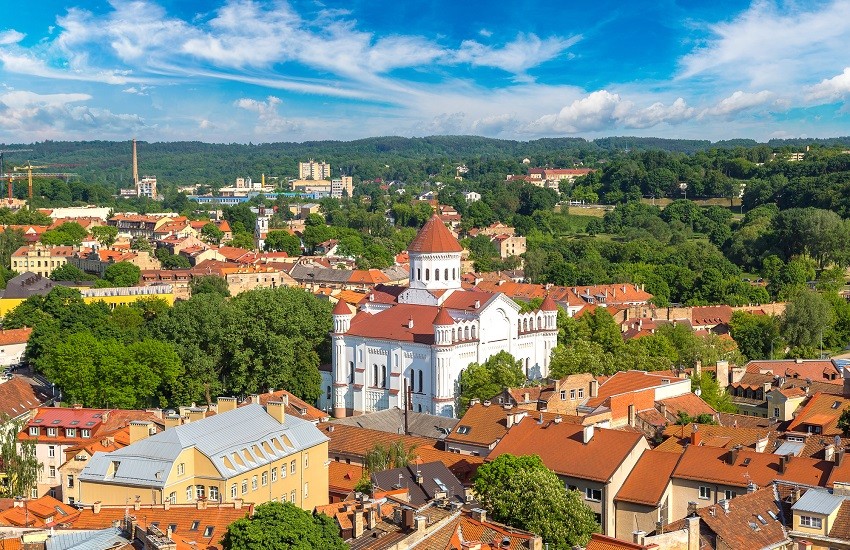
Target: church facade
{"type": "Point", "coordinates": [424, 335]}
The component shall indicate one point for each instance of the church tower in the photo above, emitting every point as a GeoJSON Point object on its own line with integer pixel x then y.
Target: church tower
{"type": "Point", "coordinates": [434, 257]}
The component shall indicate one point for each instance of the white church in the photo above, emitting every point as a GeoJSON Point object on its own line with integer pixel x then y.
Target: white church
{"type": "Point", "coordinates": [423, 335]}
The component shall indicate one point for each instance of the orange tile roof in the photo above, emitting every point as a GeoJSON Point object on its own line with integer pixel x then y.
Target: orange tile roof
{"type": "Point", "coordinates": [560, 447]}
{"type": "Point", "coordinates": [434, 237]}
{"type": "Point", "coordinates": [182, 516]}
{"type": "Point", "coordinates": [689, 403]}
{"type": "Point", "coordinates": [486, 424]}
{"type": "Point", "coordinates": [603, 542]}
{"type": "Point", "coordinates": [712, 464]}
{"type": "Point", "coordinates": [814, 369]}
{"type": "Point", "coordinates": [627, 382]}
{"type": "Point", "coordinates": [711, 315]}
{"type": "Point", "coordinates": [15, 336]}
{"type": "Point", "coordinates": [342, 476]}
{"type": "Point", "coordinates": [368, 276]}
{"type": "Point", "coordinates": [822, 410]}
{"type": "Point", "coordinates": [734, 528]}
{"type": "Point", "coordinates": [649, 478]}
{"type": "Point", "coordinates": [295, 405]}
{"type": "Point", "coordinates": [41, 512]}
{"type": "Point", "coordinates": [17, 396]}
{"type": "Point", "coordinates": [678, 437]}
{"type": "Point", "coordinates": [395, 324]}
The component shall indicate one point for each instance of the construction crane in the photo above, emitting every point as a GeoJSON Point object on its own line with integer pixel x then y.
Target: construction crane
{"type": "Point", "coordinates": [30, 167]}
{"type": "Point", "coordinates": [4, 151]}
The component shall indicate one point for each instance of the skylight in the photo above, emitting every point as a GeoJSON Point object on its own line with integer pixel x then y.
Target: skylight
{"type": "Point", "coordinates": [463, 430]}
{"type": "Point", "coordinates": [761, 519]}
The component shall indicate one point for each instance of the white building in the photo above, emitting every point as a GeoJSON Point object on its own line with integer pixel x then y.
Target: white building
{"type": "Point", "coordinates": [146, 187]}
{"type": "Point", "coordinates": [427, 333]}
{"type": "Point", "coordinates": [314, 170]}
{"type": "Point", "coordinates": [261, 228]}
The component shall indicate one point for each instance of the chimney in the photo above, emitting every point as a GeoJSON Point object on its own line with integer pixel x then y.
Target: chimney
{"type": "Point", "coordinates": [693, 533]}
{"type": "Point", "coordinates": [371, 518]}
{"type": "Point", "coordinates": [639, 537]}
{"type": "Point", "coordinates": [841, 488]}
{"type": "Point", "coordinates": [166, 504]}
{"type": "Point", "coordinates": [761, 444]}
{"type": "Point", "coordinates": [237, 503]}
{"type": "Point", "coordinates": [139, 430]}
{"type": "Point", "coordinates": [77, 406]}
{"type": "Point", "coordinates": [696, 436]}
{"type": "Point", "coordinates": [804, 545]}
{"type": "Point", "coordinates": [255, 399]}
{"type": "Point", "coordinates": [135, 164]}
{"type": "Point", "coordinates": [723, 374]}
{"type": "Point", "coordinates": [358, 524]}
{"type": "Point", "coordinates": [172, 421]}
{"type": "Point", "coordinates": [95, 508]}
{"type": "Point", "coordinates": [479, 514]}
{"type": "Point", "coordinates": [733, 454]}
{"type": "Point", "coordinates": [276, 410]}
{"type": "Point", "coordinates": [829, 452]}
{"type": "Point", "coordinates": [526, 396]}
{"type": "Point", "coordinates": [783, 463]}
{"type": "Point", "coordinates": [421, 523]}
{"type": "Point", "coordinates": [509, 420]}
{"type": "Point", "coordinates": [839, 456]}
{"type": "Point", "coordinates": [632, 415]}
{"type": "Point", "coordinates": [410, 323]}
{"type": "Point", "coordinates": [594, 388]}
{"type": "Point", "coordinates": [202, 504]}
{"type": "Point", "coordinates": [196, 414]}
{"type": "Point", "coordinates": [474, 401]}
{"type": "Point", "coordinates": [698, 368]}
{"type": "Point", "coordinates": [587, 434]}
{"type": "Point", "coordinates": [226, 404]}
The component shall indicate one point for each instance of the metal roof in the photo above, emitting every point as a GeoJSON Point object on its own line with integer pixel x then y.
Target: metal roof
{"type": "Point", "coordinates": [86, 540]}
{"type": "Point", "coordinates": [793, 448]}
{"type": "Point", "coordinates": [817, 501]}
{"type": "Point", "coordinates": [234, 441]}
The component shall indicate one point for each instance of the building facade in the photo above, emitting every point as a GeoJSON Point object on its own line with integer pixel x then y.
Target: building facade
{"type": "Point", "coordinates": [424, 335]}
{"type": "Point", "coordinates": [314, 170]}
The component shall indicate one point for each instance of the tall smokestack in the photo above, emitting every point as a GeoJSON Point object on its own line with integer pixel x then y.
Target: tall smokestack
{"type": "Point", "coordinates": [135, 164]}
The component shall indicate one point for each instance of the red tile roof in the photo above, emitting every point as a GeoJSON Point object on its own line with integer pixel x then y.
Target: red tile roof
{"type": "Point", "coordinates": [343, 477]}
{"type": "Point", "coordinates": [711, 315]}
{"type": "Point", "coordinates": [42, 512]}
{"type": "Point", "coordinates": [627, 382]}
{"type": "Point", "coordinates": [341, 308]}
{"type": "Point", "coordinates": [17, 396]}
{"type": "Point", "coordinates": [401, 323]}
{"type": "Point", "coordinates": [814, 369]}
{"type": "Point", "coordinates": [434, 237]}
{"type": "Point", "coordinates": [649, 478]}
{"type": "Point", "coordinates": [561, 447]}
{"type": "Point", "coordinates": [443, 318]}
{"type": "Point", "coordinates": [822, 410]}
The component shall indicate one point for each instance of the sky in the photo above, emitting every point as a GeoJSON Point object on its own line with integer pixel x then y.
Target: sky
{"type": "Point", "coordinates": [267, 71]}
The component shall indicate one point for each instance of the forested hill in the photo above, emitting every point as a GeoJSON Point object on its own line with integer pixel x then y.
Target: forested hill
{"type": "Point", "coordinates": [409, 159]}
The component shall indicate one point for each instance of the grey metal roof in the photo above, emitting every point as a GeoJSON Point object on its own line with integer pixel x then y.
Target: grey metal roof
{"type": "Point", "coordinates": [392, 421]}
{"type": "Point", "coordinates": [817, 501]}
{"type": "Point", "coordinates": [87, 540]}
{"type": "Point", "coordinates": [321, 274]}
{"type": "Point", "coordinates": [248, 431]}
{"type": "Point", "coordinates": [790, 448]}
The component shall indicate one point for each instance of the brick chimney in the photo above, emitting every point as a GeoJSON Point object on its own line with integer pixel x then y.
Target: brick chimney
{"type": "Point", "coordinates": [225, 404]}
{"type": "Point", "coordinates": [277, 410]}
{"type": "Point", "coordinates": [139, 430]}
{"type": "Point", "coordinates": [357, 524]}
{"type": "Point", "coordinates": [696, 435]}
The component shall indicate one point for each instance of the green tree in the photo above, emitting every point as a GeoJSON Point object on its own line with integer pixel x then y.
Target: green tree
{"type": "Point", "coordinates": [807, 317]}
{"type": "Point", "coordinates": [756, 335]}
{"type": "Point", "coordinates": [283, 241]}
{"type": "Point", "coordinates": [69, 233]}
{"type": "Point", "coordinates": [522, 492]}
{"type": "Point", "coordinates": [485, 380]}
{"type": "Point", "coordinates": [580, 356]}
{"type": "Point", "coordinates": [243, 240]}
{"type": "Point", "coordinates": [122, 274]}
{"type": "Point", "coordinates": [394, 455]}
{"type": "Point", "coordinates": [711, 392]}
{"type": "Point", "coordinates": [283, 526]}
{"type": "Point", "coordinates": [105, 234]}
{"type": "Point", "coordinates": [844, 421]}
{"type": "Point", "coordinates": [10, 241]}
{"type": "Point", "coordinates": [212, 233]}
{"type": "Point", "coordinates": [209, 284]}
{"type": "Point", "coordinates": [18, 463]}
{"type": "Point", "coordinates": [70, 272]}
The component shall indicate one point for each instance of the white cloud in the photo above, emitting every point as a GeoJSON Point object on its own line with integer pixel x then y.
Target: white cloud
{"type": "Point", "coordinates": [597, 111]}
{"type": "Point", "coordinates": [269, 121]}
{"type": "Point", "coordinates": [524, 52]}
{"type": "Point", "coordinates": [485, 33]}
{"type": "Point", "coordinates": [738, 102]}
{"type": "Point", "coordinates": [11, 36]}
{"type": "Point", "coordinates": [771, 44]}
{"type": "Point", "coordinates": [831, 89]}
{"type": "Point", "coordinates": [658, 113]}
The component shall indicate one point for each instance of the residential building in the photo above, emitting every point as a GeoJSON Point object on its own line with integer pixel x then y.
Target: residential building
{"type": "Point", "coordinates": [594, 461]}
{"type": "Point", "coordinates": [252, 453]}
{"type": "Point", "coordinates": [398, 421]}
{"type": "Point", "coordinates": [428, 332]}
{"type": "Point", "coordinates": [138, 225]}
{"type": "Point", "coordinates": [342, 187]}
{"type": "Point", "coordinates": [820, 519]}
{"type": "Point", "coordinates": [314, 170]}
{"type": "Point", "coordinates": [643, 501]}
{"type": "Point", "coordinates": [509, 245]}
{"type": "Point", "coordinates": [562, 396]}
{"type": "Point", "coordinates": [40, 259]}
{"type": "Point", "coordinates": [97, 260]}
{"type": "Point", "coordinates": [18, 397]}
{"type": "Point", "coordinates": [13, 344]}
{"type": "Point", "coordinates": [146, 187]}
{"type": "Point", "coordinates": [424, 482]}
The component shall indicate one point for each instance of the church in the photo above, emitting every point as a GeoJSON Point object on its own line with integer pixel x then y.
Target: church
{"type": "Point", "coordinates": [424, 335]}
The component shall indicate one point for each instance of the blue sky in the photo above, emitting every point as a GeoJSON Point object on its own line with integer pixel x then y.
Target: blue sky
{"type": "Point", "coordinates": [263, 71]}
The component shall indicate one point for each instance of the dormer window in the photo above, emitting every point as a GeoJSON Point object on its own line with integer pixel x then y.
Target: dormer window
{"type": "Point", "coordinates": [34, 431]}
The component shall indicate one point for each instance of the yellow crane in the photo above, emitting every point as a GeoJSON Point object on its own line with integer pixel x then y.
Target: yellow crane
{"type": "Point", "coordinates": [30, 167]}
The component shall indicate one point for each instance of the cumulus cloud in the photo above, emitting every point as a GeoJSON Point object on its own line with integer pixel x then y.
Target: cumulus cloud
{"type": "Point", "coordinates": [524, 52]}
{"type": "Point", "coordinates": [831, 89]}
{"type": "Point", "coordinates": [658, 113]}
{"type": "Point", "coordinates": [738, 102]}
{"type": "Point", "coordinates": [269, 121]}
{"type": "Point", "coordinates": [10, 36]}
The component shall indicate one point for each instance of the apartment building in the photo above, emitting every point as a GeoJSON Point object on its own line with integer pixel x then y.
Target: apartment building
{"type": "Point", "coordinates": [40, 259]}
{"type": "Point", "coordinates": [314, 170]}
{"type": "Point", "coordinates": [252, 453]}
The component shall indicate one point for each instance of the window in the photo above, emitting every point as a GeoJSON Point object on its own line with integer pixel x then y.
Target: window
{"type": "Point", "coordinates": [729, 495]}
{"type": "Point", "coordinates": [384, 376]}
{"type": "Point", "coordinates": [292, 497]}
{"type": "Point", "coordinates": [283, 472]}
{"type": "Point", "coordinates": [306, 489]}
{"type": "Point", "coordinates": [274, 475]}
{"type": "Point", "coordinates": [51, 432]}
{"type": "Point", "coordinates": [421, 381]}
{"type": "Point", "coordinates": [704, 492]}
{"type": "Point", "coordinates": [34, 492]}
{"type": "Point", "coordinates": [190, 492]}
{"type": "Point", "coordinates": [593, 494]}
{"type": "Point", "coordinates": [436, 274]}
{"type": "Point", "coordinates": [563, 395]}
{"type": "Point", "coordinates": [306, 461]}
{"type": "Point", "coordinates": [265, 479]}
{"type": "Point", "coordinates": [292, 467]}
{"type": "Point", "coordinates": [195, 525]}
{"type": "Point", "coordinates": [351, 372]}
{"type": "Point", "coordinates": [172, 498]}
{"type": "Point", "coordinates": [375, 376]}
{"type": "Point", "coordinates": [51, 451]}
{"type": "Point", "coordinates": [214, 493]}
{"type": "Point", "coordinates": [208, 531]}
{"type": "Point", "coordinates": [581, 393]}
{"type": "Point", "coordinates": [70, 432]}
{"type": "Point", "coordinates": [811, 522]}
{"type": "Point", "coordinates": [51, 472]}
{"type": "Point", "coordinates": [173, 527]}
{"type": "Point", "coordinates": [233, 491]}
{"type": "Point", "coordinates": [427, 274]}
{"type": "Point", "coordinates": [70, 482]}
{"type": "Point", "coordinates": [85, 433]}
{"type": "Point", "coordinates": [244, 486]}
{"type": "Point", "coordinates": [34, 431]}
{"type": "Point", "coordinates": [199, 491]}
{"type": "Point", "coordinates": [181, 468]}
{"type": "Point", "coordinates": [253, 483]}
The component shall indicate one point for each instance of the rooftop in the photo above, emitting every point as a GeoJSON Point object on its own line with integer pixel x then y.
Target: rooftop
{"type": "Point", "coordinates": [649, 478]}
{"type": "Point", "coordinates": [434, 237]}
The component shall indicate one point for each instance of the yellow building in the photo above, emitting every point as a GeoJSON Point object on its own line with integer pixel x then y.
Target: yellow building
{"type": "Point", "coordinates": [40, 259]}
{"type": "Point", "coordinates": [254, 453]}
{"type": "Point", "coordinates": [112, 296]}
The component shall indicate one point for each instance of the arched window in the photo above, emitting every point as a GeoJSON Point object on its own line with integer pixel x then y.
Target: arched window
{"type": "Point", "coordinates": [437, 274]}
{"type": "Point", "coordinates": [172, 498]}
{"type": "Point", "coordinates": [351, 372]}
{"type": "Point", "coordinates": [474, 331]}
{"type": "Point", "coordinates": [447, 274]}
{"type": "Point", "coordinates": [375, 375]}
{"type": "Point", "coordinates": [421, 382]}
{"type": "Point", "coordinates": [427, 274]}
{"type": "Point", "coordinates": [412, 380]}
{"type": "Point", "coordinates": [466, 333]}
{"type": "Point", "coordinates": [419, 273]}
{"type": "Point", "coordinates": [454, 273]}
{"type": "Point", "coordinates": [190, 492]}
{"type": "Point", "coordinates": [384, 377]}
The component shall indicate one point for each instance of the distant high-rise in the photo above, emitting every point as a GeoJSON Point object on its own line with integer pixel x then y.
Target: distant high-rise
{"type": "Point", "coordinates": [314, 170]}
{"type": "Point", "coordinates": [146, 186]}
